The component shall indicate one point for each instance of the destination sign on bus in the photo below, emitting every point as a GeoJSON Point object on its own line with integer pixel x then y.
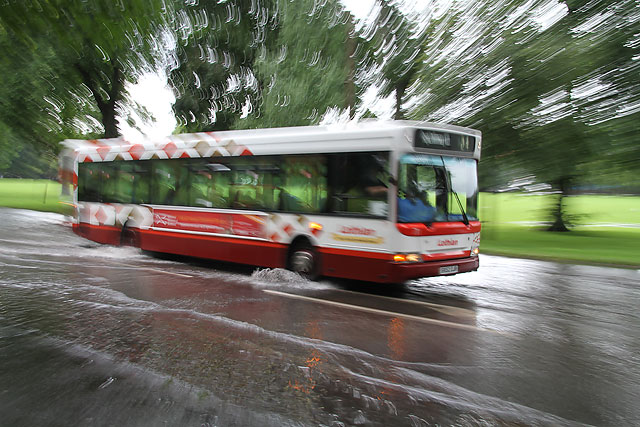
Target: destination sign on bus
{"type": "Point", "coordinates": [444, 141]}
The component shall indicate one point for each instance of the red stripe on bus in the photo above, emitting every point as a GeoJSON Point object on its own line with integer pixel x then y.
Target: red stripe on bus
{"type": "Point", "coordinates": [106, 234]}
{"type": "Point", "coordinates": [446, 255]}
{"type": "Point", "coordinates": [438, 228]}
{"type": "Point", "coordinates": [361, 254]}
{"type": "Point", "coordinates": [223, 239]}
{"type": "Point", "coordinates": [228, 249]}
{"type": "Point", "coordinates": [389, 257]}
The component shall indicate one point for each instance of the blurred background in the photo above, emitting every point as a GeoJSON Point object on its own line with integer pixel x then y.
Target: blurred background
{"type": "Point", "coordinates": [553, 85]}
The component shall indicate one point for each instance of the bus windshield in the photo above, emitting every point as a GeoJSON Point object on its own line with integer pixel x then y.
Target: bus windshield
{"type": "Point", "coordinates": [437, 189]}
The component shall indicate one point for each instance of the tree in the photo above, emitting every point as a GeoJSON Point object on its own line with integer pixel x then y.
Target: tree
{"type": "Point", "coordinates": [101, 45]}
{"type": "Point", "coordinates": [309, 70]}
{"type": "Point", "coordinates": [541, 90]}
{"type": "Point", "coordinates": [585, 69]}
{"type": "Point", "coordinates": [396, 49]}
{"type": "Point", "coordinates": [33, 117]}
{"type": "Point", "coordinates": [218, 43]}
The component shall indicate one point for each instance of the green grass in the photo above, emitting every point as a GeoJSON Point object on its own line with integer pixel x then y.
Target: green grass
{"type": "Point", "coordinates": [38, 195]}
{"type": "Point", "coordinates": [511, 223]}
{"type": "Point", "coordinates": [607, 229]}
{"type": "Point", "coordinates": [517, 207]}
{"type": "Point", "coordinates": [614, 246]}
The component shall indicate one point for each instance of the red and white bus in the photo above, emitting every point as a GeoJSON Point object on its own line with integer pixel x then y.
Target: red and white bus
{"type": "Point", "coordinates": [374, 201]}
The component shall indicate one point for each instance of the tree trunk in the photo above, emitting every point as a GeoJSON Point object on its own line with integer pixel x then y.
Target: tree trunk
{"type": "Point", "coordinates": [400, 89]}
{"type": "Point", "coordinates": [110, 122]}
{"type": "Point", "coordinates": [106, 106]}
{"type": "Point", "coordinates": [559, 215]}
{"type": "Point", "coordinates": [350, 86]}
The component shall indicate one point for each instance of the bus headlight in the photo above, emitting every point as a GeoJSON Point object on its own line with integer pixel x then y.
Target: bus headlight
{"type": "Point", "coordinates": [413, 258]}
{"type": "Point", "coordinates": [475, 251]}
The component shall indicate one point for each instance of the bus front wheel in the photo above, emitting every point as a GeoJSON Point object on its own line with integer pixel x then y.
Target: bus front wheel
{"type": "Point", "coordinates": [304, 261]}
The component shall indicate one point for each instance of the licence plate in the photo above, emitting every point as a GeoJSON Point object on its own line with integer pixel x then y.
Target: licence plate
{"type": "Point", "coordinates": [449, 269]}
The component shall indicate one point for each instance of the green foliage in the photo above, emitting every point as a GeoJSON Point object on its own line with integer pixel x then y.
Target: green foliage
{"type": "Point", "coordinates": [266, 64]}
{"type": "Point", "coordinates": [394, 53]}
{"type": "Point", "coordinates": [33, 119]}
{"type": "Point", "coordinates": [308, 72]}
{"type": "Point", "coordinates": [85, 52]}
{"type": "Point", "coordinates": [554, 97]}
{"type": "Point", "coordinates": [554, 89]}
{"type": "Point", "coordinates": [30, 107]}
{"type": "Point", "coordinates": [218, 43]}
{"type": "Point", "coordinates": [7, 147]}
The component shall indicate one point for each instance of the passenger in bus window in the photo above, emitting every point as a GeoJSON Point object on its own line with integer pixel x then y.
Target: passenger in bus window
{"type": "Point", "coordinates": [415, 207]}
{"type": "Point", "coordinates": [369, 195]}
{"type": "Point", "coordinates": [219, 196]}
{"type": "Point", "coordinates": [290, 203]}
{"type": "Point", "coordinates": [375, 188]}
{"type": "Point", "coordinates": [244, 199]}
{"type": "Point", "coordinates": [373, 178]}
{"type": "Point", "coordinates": [303, 184]}
{"type": "Point", "coordinates": [200, 188]}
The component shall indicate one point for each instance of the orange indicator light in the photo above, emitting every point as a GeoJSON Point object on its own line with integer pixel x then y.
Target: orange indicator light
{"type": "Point", "coordinates": [413, 257]}
{"type": "Point", "coordinates": [315, 226]}
{"type": "Point", "coordinates": [399, 258]}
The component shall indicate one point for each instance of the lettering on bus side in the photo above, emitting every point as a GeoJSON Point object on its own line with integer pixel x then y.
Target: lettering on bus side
{"type": "Point", "coordinates": [358, 230]}
{"type": "Point", "coordinates": [357, 235]}
{"type": "Point", "coordinates": [165, 220]}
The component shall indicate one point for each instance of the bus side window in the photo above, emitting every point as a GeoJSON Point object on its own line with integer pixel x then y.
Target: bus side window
{"type": "Point", "coordinates": [207, 186]}
{"type": "Point", "coordinates": [167, 180]}
{"type": "Point", "coordinates": [109, 182]}
{"type": "Point", "coordinates": [304, 184]}
{"type": "Point", "coordinates": [269, 181]}
{"type": "Point", "coordinates": [123, 182]}
{"type": "Point", "coordinates": [89, 182]}
{"type": "Point", "coordinates": [220, 186]}
{"type": "Point", "coordinates": [243, 188]}
{"type": "Point", "coordinates": [183, 183]}
{"type": "Point", "coordinates": [359, 183]}
{"type": "Point", "coordinates": [141, 182]}
{"type": "Point", "coordinates": [253, 182]}
{"type": "Point", "coordinates": [199, 185]}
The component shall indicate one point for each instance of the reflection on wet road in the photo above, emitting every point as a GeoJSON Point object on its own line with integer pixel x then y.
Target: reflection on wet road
{"type": "Point", "coordinates": [98, 335]}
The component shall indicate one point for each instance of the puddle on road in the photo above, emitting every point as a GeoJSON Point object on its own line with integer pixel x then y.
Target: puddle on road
{"type": "Point", "coordinates": [277, 278]}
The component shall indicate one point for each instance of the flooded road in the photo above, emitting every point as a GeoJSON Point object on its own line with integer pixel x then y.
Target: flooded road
{"type": "Point", "coordinates": [99, 335]}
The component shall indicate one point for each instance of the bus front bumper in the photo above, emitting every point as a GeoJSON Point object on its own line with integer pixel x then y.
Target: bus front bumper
{"type": "Point", "coordinates": [408, 271]}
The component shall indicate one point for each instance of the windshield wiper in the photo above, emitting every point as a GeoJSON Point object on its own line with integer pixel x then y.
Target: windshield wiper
{"type": "Point", "coordinates": [465, 220]}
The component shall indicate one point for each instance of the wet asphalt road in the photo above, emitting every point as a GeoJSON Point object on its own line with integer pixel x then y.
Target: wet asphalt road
{"type": "Point", "coordinates": [97, 335]}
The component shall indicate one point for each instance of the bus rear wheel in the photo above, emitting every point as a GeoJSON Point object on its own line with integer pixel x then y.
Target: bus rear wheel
{"type": "Point", "coordinates": [304, 261]}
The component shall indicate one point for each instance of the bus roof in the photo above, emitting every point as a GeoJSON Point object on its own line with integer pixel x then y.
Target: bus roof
{"type": "Point", "coordinates": [367, 135]}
